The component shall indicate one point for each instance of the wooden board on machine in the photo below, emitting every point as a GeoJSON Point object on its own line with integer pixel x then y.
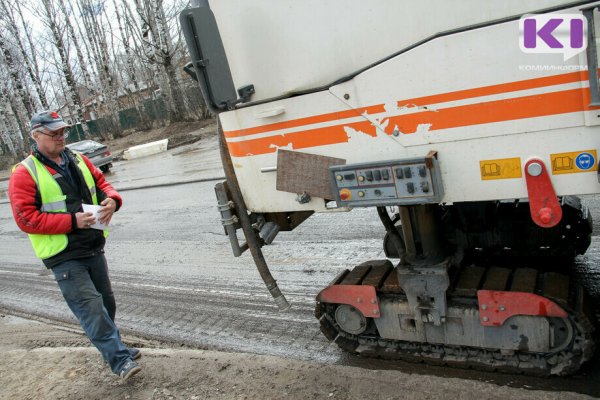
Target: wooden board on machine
{"type": "Point", "coordinates": [302, 172]}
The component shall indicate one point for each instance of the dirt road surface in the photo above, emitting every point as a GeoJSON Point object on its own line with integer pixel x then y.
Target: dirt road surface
{"type": "Point", "coordinates": [40, 361]}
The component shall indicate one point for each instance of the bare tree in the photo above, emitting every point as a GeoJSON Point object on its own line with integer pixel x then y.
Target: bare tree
{"type": "Point", "coordinates": [73, 38]}
{"type": "Point", "coordinates": [10, 128]}
{"type": "Point", "coordinates": [27, 55]}
{"type": "Point", "coordinates": [167, 51]}
{"type": "Point", "coordinates": [130, 67]}
{"type": "Point", "coordinates": [142, 56]}
{"type": "Point", "coordinates": [52, 21]}
{"type": "Point", "coordinates": [92, 15]}
{"type": "Point", "coordinates": [13, 88]}
{"type": "Point", "coordinates": [33, 53]}
{"type": "Point", "coordinates": [15, 77]}
{"type": "Point", "coordinates": [160, 50]}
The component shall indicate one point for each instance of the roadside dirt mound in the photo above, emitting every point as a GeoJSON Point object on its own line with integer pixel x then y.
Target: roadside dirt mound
{"type": "Point", "coordinates": [179, 134]}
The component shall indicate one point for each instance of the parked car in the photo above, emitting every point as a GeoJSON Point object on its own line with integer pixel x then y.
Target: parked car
{"type": "Point", "coordinates": [98, 153]}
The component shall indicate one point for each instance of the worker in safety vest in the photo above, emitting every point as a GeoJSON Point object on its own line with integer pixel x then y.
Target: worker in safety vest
{"type": "Point", "coordinates": [46, 192]}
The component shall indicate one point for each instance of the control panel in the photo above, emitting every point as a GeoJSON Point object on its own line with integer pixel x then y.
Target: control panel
{"type": "Point", "coordinates": [393, 182]}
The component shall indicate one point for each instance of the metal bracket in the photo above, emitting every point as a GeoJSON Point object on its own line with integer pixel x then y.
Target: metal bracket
{"type": "Point", "coordinates": [229, 219]}
{"type": "Point", "coordinates": [268, 231]}
{"type": "Point", "coordinates": [429, 158]}
{"type": "Point", "coordinates": [303, 198]}
{"type": "Point", "coordinates": [245, 92]}
{"type": "Point", "coordinates": [425, 289]}
{"type": "Point", "coordinates": [189, 69]}
{"type": "Point", "coordinates": [225, 208]}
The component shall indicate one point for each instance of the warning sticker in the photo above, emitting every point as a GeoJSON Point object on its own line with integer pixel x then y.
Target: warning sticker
{"type": "Point", "coordinates": [574, 162]}
{"type": "Point", "coordinates": [504, 168]}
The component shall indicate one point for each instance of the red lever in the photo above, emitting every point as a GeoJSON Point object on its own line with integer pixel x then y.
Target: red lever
{"type": "Point", "coordinates": [543, 203]}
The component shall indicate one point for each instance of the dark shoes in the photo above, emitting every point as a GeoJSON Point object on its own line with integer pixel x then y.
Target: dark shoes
{"type": "Point", "coordinates": [135, 353]}
{"type": "Point", "coordinates": [130, 369]}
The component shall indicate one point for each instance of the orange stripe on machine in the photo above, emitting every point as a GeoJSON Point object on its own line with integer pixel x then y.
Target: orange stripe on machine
{"type": "Point", "coordinates": [434, 99]}
{"type": "Point", "coordinates": [338, 115]}
{"type": "Point", "coordinates": [538, 105]}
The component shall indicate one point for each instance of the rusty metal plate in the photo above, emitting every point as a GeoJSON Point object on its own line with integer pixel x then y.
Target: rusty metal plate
{"type": "Point", "coordinates": [378, 273]}
{"type": "Point", "coordinates": [469, 281]}
{"type": "Point", "coordinates": [556, 286]}
{"type": "Point", "coordinates": [391, 284]}
{"type": "Point", "coordinates": [302, 172]}
{"type": "Point", "coordinates": [356, 276]}
{"type": "Point", "coordinates": [524, 280]}
{"type": "Point", "coordinates": [496, 278]}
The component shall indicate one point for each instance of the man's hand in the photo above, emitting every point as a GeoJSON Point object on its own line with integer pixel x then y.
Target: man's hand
{"type": "Point", "coordinates": [106, 212]}
{"type": "Point", "coordinates": [85, 219]}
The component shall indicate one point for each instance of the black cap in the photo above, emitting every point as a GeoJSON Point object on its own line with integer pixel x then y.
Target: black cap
{"type": "Point", "coordinates": [49, 120]}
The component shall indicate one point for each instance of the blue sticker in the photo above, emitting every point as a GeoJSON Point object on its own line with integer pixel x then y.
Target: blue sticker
{"type": "Point", "coordinates": [585, 161]}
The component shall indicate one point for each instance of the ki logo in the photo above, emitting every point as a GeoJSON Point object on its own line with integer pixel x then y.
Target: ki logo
{"type": "Point", "coordinates": [553, 33]}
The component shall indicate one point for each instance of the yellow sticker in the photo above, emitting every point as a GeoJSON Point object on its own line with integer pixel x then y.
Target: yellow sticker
{"type": "Point", "coordinates": [504, 168]}
{"type": "Point", "coordinates": [574, 162]}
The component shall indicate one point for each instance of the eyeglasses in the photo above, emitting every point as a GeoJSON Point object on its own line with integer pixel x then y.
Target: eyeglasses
{"type": "Point", "coordinates": [56, 136]}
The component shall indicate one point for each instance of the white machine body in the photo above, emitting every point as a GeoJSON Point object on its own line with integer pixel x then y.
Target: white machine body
{"type": "Point", "coordinates": [459, 84]}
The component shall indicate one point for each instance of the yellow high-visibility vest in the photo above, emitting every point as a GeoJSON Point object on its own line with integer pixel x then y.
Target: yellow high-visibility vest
{"type": "Point", "coordinates": [54, 201]}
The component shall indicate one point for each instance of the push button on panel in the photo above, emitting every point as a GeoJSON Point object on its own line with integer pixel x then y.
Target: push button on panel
{"type": "Point", "coordinates": [385, 174]}
{"type": "Point", "coordinates": [377, 175]}
{"type": "Point", "coordinates": [422, 171]}
{"type": "Point", "coordinates": [410, 187]}
{"type": "Point", "coordinates": [425, 187]}
{"type": "Point", "coordinates": [407, 172]}
{"type": "Point", "coordinates": [369, 175]}
{"type": "Point", "coordinates": [399, 173]}
{"type": "Point", "coordinates": [345, 195]}
{"type": "Point", "coordinates": [349, 177]}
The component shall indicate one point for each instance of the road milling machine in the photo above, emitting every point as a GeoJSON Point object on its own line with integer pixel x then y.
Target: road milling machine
{"type": "Point", "coordinates": [469, 126]}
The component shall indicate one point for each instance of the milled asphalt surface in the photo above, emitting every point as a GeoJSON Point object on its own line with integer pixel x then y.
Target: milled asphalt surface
{"type": "Point", "coordinates": [176, 281]}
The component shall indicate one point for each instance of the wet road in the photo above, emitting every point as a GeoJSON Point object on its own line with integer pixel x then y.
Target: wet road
{"type": "Point", "coordinates": [175, 279]}
{"type": "Point", "coordinates": [188, 163]}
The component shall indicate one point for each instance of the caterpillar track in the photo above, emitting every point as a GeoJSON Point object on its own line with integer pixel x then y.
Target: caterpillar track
{"type": "Point", "coordinates": [573, 335]}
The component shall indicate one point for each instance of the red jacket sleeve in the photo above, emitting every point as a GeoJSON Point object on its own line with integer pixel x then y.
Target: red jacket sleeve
{"type": "Point", "coordinates": [102, 184]}
{"type": "Point", "coordinates": [25, 207]}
